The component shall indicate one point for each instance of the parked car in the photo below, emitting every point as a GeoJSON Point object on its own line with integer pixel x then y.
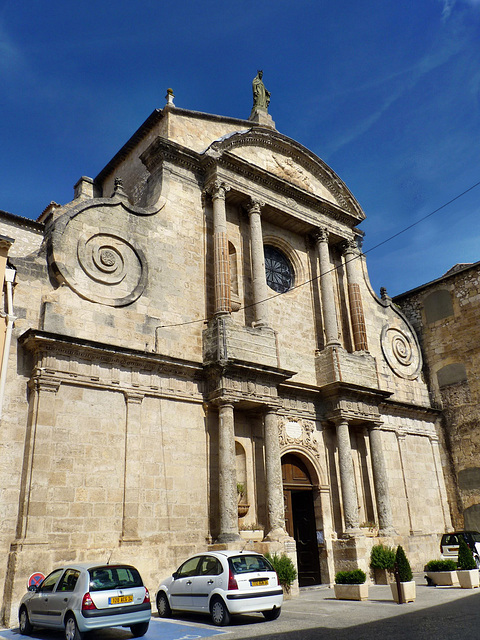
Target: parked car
{"type": "Point", "coordinates": [450, 541]}
{"type": "Point", "coordinates": [222, 583]}
{"type": "Point", "coordinates": [82, 597]}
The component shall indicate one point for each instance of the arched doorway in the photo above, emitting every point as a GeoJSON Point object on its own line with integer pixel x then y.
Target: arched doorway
{"type": "Point", "coordinates": [300, 518]}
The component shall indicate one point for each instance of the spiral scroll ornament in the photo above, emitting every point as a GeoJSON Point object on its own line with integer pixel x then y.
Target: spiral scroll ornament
{"type": "Point", "coordinates": [401, 351]}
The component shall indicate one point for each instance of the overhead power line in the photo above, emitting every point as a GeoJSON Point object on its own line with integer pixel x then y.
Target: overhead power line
{"type": "Point", "coordinates": [333, 269]}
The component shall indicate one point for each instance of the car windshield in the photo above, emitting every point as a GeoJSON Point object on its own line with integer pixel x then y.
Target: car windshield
{"type": "Point", "coordinates": [249, 563]}
{"type": "Point", "coordinates": [114, 577]}
{"type": "Point", "coordinates": [476, 536]}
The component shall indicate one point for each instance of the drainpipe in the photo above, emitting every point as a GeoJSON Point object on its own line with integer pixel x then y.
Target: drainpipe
{"type": "Point", "coordinates": [9, 280]}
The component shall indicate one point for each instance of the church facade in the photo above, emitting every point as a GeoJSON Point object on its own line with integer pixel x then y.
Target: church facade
{"type": "Point", "coordinates": [197, 358]}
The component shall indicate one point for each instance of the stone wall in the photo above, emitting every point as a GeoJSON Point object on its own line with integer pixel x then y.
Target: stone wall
{"type": "Point", "coordinates": [445, 315]}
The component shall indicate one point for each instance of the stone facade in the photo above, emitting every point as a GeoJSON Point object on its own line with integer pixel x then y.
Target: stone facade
{"type": "Point", "coordinates": [445, 315]}
{"type": "Point", "coordinates": [197, 319]}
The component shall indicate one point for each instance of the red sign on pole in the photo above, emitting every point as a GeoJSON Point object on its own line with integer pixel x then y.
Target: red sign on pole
{"type": "Point", "coordinates": [35, 579]}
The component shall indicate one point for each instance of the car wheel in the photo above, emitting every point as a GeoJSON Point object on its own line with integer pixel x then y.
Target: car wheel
{"type": "Point", "coordinates": [163, 607]}
{"type": "Point", "coordinates": [24, 622]}
{"type": "Point", "coordinates": [272, 614]}
{"type": "Point", "coordinates": [219, 612]}
{"type": "Point", "coordinates": [71, 629]}
{"type": "Point", "coordinates": [139, 629]}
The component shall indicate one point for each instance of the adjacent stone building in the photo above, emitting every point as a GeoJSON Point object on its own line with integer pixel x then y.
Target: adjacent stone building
{"type": "Point", "coordinates": [445, 314]}
{"type": "Point", "coordinates": [196, 329]}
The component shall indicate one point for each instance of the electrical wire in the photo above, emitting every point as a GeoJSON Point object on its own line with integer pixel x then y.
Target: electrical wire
{"type": "Point", "coordinates": [333, 269]}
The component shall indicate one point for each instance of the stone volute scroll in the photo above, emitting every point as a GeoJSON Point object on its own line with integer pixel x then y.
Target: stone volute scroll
{"type": "Point", "coordinates": [93, 249]}
{"type": "Point", "coordinates": [401, 350]}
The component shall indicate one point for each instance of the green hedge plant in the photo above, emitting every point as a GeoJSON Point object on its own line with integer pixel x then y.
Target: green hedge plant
{"type": "Point", "coordinates": [382, 557]}
{"type": "Point", "coordinates": [357, 576]}
{"type": "Point", "coordinates": [403, 565]}
{"type": "Point", "coordinates": [465, 557]}
{"type": "Point", "coordinates": [286, 572]}
{"type": "Point", "coordinates": [441, 565]}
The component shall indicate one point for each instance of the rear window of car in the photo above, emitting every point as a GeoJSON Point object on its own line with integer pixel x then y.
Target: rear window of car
{"type": "Point", "coordinates": [449, 539]}
{"type": "Point", "coordinates": [248, 563]}
{"type": "Point", "coordinates": [114, 577]}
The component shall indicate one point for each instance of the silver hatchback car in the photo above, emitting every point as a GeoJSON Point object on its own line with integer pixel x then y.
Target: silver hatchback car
{"type": "Point", "coordinates": [82, 597]}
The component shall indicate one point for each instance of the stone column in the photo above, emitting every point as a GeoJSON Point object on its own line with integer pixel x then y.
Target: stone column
{"type": "Point", "coordinates": [327, 289]}
{"type": "Point", "coordinates": [380, 479]}
{"type": "Point", "coordinates": [221, 261]}
{"type": "Point", "coordinates": [227, 481]}
{"type": "Point", "coordinates": [273, 469]}
{"type": "Point", "coordinates": [33, 523]}
{"type": "Point", "coordinates": [347, 477]}
{"type": "Point", "coordinates": [133, 466]}
{"type": "Point", "coordinates": [401, 447]}
{"type": "Point", "coordinates": [352, 264]}
{"type": "Point", "coordinates": [259, 278]}
{"type": "Point", "coordinates": [442, 493]}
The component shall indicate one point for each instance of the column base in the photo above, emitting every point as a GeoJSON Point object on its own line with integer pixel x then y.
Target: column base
{"type": "Point", "coordinates": [276, 535]}
{"type": "Point", "coordinates": [388, 531]}
{"type": "Point", "coordinates": [224, 538]}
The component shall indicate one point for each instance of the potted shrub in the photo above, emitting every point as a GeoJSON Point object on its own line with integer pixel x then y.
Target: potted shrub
{"type": "Point", "coordinates": [382, 561]}
{"type": "Point", "coordinates": [403, 579]}
{"type": "Point", "coordinates": [351, 585]}
{"type": "Point", "coordinates": [286, 572]}
{"type": "Point", "coordinates": [441, 572]}
{"type": "Point", "coordinates": [467, 571]}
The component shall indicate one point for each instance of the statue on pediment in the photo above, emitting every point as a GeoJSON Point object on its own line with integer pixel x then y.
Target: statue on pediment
{"type": "Point", "coordinates": [261, 97]}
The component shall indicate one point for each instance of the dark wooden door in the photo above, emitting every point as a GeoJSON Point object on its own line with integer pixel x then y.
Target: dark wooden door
{"type": "Point", "coordinates": [300, 518]}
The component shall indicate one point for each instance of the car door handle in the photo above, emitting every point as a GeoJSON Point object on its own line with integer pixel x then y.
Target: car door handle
{"type": "Point", "coordinates": [189, 582]}
{"type": "Point", "coordinates": [65, 599]}
{"type": "Point", "coordinates": [210, 582]}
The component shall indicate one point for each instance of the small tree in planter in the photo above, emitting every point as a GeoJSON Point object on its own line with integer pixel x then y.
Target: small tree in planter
{"type": "Point", "coordinates": [286, 572]}
{"type": "Point", "coordinates": [467, 571]}
{"type": "Point", "coordinates": [382, 561]}
{"type": "Point", "coordinates": [351, 585]}
{"type": "Point", "coordinates": [403, 589]}
{"type": "Point", "coordinates": [441, 572]}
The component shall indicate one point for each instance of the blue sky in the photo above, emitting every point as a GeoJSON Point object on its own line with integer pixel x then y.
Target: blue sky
{"type": "Point", "coordinates": [386, 93]}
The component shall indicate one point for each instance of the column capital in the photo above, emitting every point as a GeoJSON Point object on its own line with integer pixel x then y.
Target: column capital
{"type": "Point", "coordinates": [217, 189]}
{"type": "Point", "coordinates": [350, 246]}
{"type": "Point", "coordinates": [321, 234]}
{"type": "Point", "coordinates": [44, 384]}
{"type": "Point", "coordinates": [133, 397]}
{"type": "Point", "coordinates": [254, 205]}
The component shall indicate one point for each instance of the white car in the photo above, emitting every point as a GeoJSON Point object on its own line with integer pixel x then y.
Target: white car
{"type": "Point", "coordinates": [222, 583]}
{"type": "Point", "coordinates": [82, 597]}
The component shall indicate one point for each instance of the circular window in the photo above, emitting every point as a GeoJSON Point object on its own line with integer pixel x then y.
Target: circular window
{"type": "Point", "coordinates": [278, 269]}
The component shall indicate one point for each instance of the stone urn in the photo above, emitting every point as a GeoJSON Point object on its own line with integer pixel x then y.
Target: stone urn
{"type": "Point", "coordinates": [243, 509]}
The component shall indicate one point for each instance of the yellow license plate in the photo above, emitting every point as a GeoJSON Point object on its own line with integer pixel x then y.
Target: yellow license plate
{"type": "Point", "coordinates": [258, 583]}
{"type": "Point", "coordinates": [120, 599]}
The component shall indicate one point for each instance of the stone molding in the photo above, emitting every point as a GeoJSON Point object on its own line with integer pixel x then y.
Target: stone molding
{"type": "Point", "coordinates": [75, 362]}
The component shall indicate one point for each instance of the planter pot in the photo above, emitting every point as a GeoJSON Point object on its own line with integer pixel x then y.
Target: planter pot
{"type": "Point", "coordinates": [382, 576]}
{"type": "Point", "coordinates": [408, 591]}
{"type": "Point", "coordinates": [256, 535]}
{"type": "Point", "coordinates": [443, 578]}
{"type": "Point", "coordinates": [468, 579]}
{"type": "Point", "coordinates": [351, 591]}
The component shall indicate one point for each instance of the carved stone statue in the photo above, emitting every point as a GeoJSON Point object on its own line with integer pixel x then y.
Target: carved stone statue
{"type": "Point", "coordinates": [261, 97]}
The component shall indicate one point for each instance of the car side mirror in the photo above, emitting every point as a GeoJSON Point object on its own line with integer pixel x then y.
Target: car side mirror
{"type": "Point", "coordinates": [175, 575]}
{"type": "Point", "coordinates": [33, 587]}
